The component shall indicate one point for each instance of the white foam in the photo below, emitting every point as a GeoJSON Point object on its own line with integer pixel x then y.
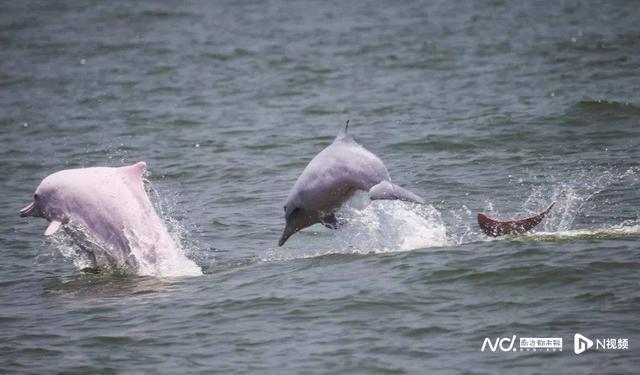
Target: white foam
{"type": "Point", "coordinates": [627, 228]}
{"type": "Point", "coordinates": [155, 254]}
{"type": "Point", "coordinates": [391, 226]}
{"type": "Point", "coordinates": [155, 257]}
{"type": "Point", "coordinates": [169, 257]}
{"type": "Point", "coordinates": [374, 227]}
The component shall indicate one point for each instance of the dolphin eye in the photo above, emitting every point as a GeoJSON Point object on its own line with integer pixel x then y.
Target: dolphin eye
{"type": "Point", "coordinates": [35, 196]}
{"type": "Point", "coordinates": [285, 208]}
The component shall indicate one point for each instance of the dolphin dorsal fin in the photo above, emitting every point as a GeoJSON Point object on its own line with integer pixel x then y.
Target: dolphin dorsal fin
{"type": "Point", "coordinates": [136, 170]}
{"type": "Point", "coordinates": [344, 132]}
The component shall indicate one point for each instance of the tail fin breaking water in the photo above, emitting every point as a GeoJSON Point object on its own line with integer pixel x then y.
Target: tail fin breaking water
{"type": "Point", "coordinates": [496, 228]}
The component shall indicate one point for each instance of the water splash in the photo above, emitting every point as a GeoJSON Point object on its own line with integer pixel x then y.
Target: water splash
{"type": "Point", "coordinates": [148, 254]}
{"type": "Point", "coordinates": [462, 226]}
{"type": "Point", "coordinates": [390, 226]}
{"type": "Point", "coordinates": [158, 257]}
{"type": "Point", "coordinates": [578, 196]}
{"type": "Point", "coordinates": [64, 246]}
{"type": "Point", "coordinates": [167, 207]}
{"type": "Point", "coordinates": [374, 227]}
{"type": "Point", "coordinates": [574, 194]}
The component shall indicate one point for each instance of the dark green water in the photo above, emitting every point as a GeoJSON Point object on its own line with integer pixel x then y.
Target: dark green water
{"type": "Point", "coordinates": [477, 106]}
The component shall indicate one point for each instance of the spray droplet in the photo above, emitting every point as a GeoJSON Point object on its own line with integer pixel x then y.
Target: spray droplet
{"type": "Point", "coordinates": [83, 61]}
{"type": "Point", "coordinates": [197, 145]}
{"type": "Point", "coordinates": [25, 125]}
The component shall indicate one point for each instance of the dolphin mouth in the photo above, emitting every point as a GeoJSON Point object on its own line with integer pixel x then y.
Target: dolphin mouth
{"type": "Point", "coordinates": [28, 211]}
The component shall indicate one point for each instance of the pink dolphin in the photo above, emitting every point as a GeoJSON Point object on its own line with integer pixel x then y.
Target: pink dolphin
{"type": "Point", "coordinates": [109, 216]}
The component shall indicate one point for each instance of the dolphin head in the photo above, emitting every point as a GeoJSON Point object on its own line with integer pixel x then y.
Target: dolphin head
{"type": "Point", "coordinates": [296, 219]}
{"type": "Point", "coordinates": [47, 203]}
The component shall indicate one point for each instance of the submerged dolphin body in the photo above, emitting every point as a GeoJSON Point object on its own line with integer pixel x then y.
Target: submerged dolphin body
{"type": "Point", "coordinates": [331, 178]}
{"type": "Point", "coordinates": [109, 216]}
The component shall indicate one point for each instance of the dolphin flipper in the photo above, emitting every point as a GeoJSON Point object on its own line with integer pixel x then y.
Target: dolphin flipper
{"type": "Point", "coordinates": [387, 190]}
{"type": "Point", "coordinates": [53, 227]}
{"type": "Point", "coordinates": [331, 221]}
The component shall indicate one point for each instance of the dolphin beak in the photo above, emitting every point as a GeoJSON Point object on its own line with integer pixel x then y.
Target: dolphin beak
{"type": "Point", "coordinates": [285, 235]}
{"type": "Point", "coordinates": [28, 211]}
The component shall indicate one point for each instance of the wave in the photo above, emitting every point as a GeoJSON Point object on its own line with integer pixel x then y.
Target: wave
{"type": "Point", "coordinates": [606, 106]}
{"type": "Point", "coordinates": [629, 228]}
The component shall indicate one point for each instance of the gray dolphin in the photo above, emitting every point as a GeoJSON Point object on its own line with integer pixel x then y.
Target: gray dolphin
{"type": "Point", "coordinates": [331, 178]}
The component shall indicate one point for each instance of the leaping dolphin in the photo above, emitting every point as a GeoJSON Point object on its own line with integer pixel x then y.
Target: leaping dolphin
{"type": "Point", "coordinates": [109, 216]}
{"type": "Point", "coordinates": [331, 178]}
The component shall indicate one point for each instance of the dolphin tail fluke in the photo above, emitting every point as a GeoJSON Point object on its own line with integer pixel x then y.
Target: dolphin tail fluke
{"type": "Point", "coordinates": [387, 190]}
{"type": "Point", "coordinates": [496, 228]}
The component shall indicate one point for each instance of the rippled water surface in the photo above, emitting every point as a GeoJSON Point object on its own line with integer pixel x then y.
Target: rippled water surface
{"type": "Point", "coordinates": [476, 106]}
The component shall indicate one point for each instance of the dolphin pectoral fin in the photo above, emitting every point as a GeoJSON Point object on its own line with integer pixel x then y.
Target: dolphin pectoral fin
{"type": "Point", "coordinates": [387, 190]}
{"type": "Point", "coordinates": [331, 221]}
{"type": "Point", "coordinates": [53, 227]}
{"type": "Point", "coordinates": [496, 228]}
